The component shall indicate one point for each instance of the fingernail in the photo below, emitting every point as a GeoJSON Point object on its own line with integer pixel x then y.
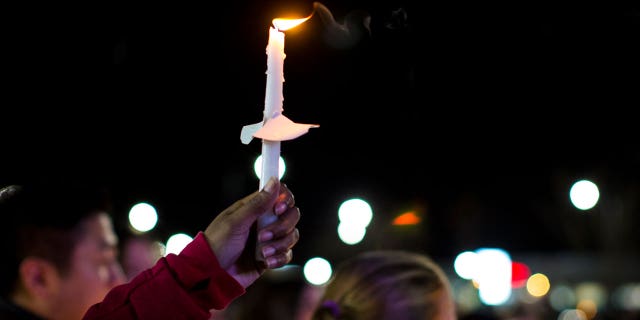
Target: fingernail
{"type": "Point", "coordinates": [265, 236]}
{"type": "Point", "coordinates": [271, 262]}
{"type": "Point", "coordinates": [270, 185]}
{"type": "Point", "coordinates": [281, 207]}
{"type": "Point", "coordinates": [267, 251]}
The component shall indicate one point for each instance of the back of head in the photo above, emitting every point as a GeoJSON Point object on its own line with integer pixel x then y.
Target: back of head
{"type": "Point", "coordinates": [43, 219]}
{"type": "Point", "coordinates": [382, 284]}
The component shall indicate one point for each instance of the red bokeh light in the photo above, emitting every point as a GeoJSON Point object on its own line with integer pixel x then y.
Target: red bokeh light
{"type": "Point", "coordinates": [520, 272]}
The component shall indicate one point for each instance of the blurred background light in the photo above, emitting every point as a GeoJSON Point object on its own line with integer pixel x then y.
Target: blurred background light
{"type": "Point", "coordinates": [177, 242]}
{"type": "Point", "coordinates": [493, 275]}
{"type": "Point", "coordinates": [584, 194]}
{"type": "Point", "coordinates": [355, 212]}
{"type": "Point", "coordinates": [317, 271]}
{"type": "Point", "coordinates": [143, 217]}
{"type": "Point", "coordinates": [257, 167]}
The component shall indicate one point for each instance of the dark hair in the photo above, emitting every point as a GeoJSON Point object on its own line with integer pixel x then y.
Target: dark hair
{"type": "Point", "coordinates": [44, 220]}
{"type": "Point", "coordinates": [391, 284]}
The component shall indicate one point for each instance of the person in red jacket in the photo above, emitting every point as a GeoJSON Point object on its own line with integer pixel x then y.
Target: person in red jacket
{"type": "Point", "coordinates": [62, 258]}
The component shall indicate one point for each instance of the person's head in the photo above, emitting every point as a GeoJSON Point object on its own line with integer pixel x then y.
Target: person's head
{"type": "Point", "coordinates": [387, 285]}
{"type": "Point", "coordinates": [59, 248]}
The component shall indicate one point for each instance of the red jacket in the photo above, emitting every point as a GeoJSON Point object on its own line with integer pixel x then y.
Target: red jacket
{"type": "Point", "coordinates": [184, 286]}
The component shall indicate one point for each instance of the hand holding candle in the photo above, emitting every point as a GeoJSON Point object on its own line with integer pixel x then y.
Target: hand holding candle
{"type": "Point", "coordinates": [275, 127]}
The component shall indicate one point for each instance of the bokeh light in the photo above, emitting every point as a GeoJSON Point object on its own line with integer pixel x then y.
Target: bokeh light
{"type": "Point", "coordinates": [351, 233]}
{"type": "Point", "coordinates": [538, 285]}
{"type": "Point", "coordinates": [177, 242]}
{"type": "Point", "coordinates": [493, 275]}
{"type": "Point", "coordinates": [143, 217]}
{"type": "Point", "coordinates": [257, 167]}
{"type": "Point", "coordinates": [317, 271]}
{"type": "Point", "coordinates": [584, 194]}
{"type": "Point", "coordinates": [355, 211]}
{"type": "Point", "coordinates": [465, 264]}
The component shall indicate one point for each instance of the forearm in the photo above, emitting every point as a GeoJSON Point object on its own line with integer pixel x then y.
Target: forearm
{"type": "Point", "coordinates": [184, 286]}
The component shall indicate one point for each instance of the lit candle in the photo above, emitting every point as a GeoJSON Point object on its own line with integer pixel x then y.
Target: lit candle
{"type": "Point", "coordinates": [273, 102]}
{"type": "Point", "coordinates": [275, 127]}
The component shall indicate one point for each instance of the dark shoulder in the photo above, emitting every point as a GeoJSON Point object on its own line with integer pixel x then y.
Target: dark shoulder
{"type": "Point", "coordinates": [9, 311]}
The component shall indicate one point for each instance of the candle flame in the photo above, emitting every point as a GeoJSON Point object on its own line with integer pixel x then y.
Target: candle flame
{"type": "Point", "coordinates": [286, 24]}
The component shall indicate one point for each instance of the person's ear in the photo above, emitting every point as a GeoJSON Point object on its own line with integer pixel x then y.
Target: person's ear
{"type": "Point", "coordinates": [39, 277]}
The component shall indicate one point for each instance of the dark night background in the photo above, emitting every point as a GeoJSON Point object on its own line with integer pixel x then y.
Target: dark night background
{"type": "Point", "coordinates": [479, 115]}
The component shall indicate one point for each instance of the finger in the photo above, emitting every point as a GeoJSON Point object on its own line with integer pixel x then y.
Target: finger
{"type": "Point", "coordinates": [285, 200]}
{"type": "Point", "coordinates": [280, 245]}
{"type": "Point", "coordinates": [284, 225]}
{"type": "Point", "coordinates": [279, 260]}
{"type": "Point", "coordinates": [255, 204]}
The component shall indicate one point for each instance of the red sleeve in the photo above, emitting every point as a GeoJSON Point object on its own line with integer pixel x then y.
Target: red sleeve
{"type": "Point", "coordinates": [184, 286]}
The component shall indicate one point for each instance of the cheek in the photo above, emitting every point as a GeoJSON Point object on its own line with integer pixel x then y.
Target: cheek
{"type": "Point", "coordinates": [106, 276]}
{"type": "Point", "coordinates": [83, 287]}
{"type": "Point", "coordinates": [96, 288]}
{"type": "Point", "coordinates": [90, 272]}
{"type": "Point", "coordinates": [93, 280]}
{"type": "Point", "coordinates": [102, 274]}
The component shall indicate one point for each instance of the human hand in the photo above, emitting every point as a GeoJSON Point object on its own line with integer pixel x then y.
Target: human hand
{"type": "Point", "coordinates": [229, 233]}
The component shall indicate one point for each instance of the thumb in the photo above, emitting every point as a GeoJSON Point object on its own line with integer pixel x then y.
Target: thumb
{"type": "Point", "coordinates": [259, 202]}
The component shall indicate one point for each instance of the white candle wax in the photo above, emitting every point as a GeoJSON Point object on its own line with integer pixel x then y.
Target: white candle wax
{"type": "Point", "coordinates": [272, 107]}
{"type": "Point", "coordinates": [273, 102]}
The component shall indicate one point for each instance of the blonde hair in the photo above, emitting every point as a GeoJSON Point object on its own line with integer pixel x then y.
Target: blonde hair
{"type": "Point", "coordinates": [384, 284]}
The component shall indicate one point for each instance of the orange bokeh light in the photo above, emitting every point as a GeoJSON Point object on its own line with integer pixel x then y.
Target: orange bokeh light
{"type": "Point", "coordinates": [407, 218]}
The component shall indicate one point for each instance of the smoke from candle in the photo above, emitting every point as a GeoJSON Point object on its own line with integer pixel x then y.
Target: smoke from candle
{"type": "Point", "coordinates": [356, 25]}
